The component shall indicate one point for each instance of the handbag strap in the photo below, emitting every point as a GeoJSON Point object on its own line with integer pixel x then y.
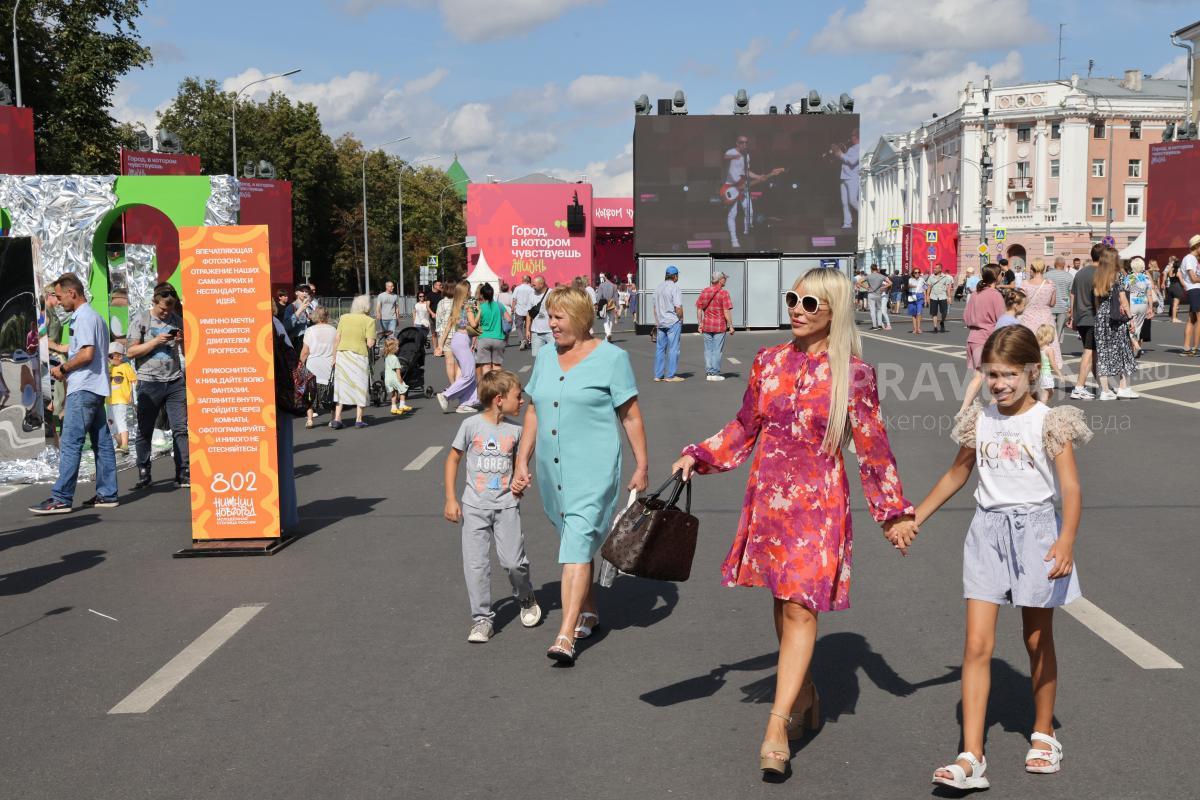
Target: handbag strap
{"type": "Point", "coordinates": [680, 485]}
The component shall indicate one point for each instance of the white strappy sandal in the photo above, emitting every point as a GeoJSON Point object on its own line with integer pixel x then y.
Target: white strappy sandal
{"type": "Point", "coordinates": [583, 629]}
{"type": "Point", "coordinates": [1053, 757]}
{"type": "Point", "coordinates": [961, 780]}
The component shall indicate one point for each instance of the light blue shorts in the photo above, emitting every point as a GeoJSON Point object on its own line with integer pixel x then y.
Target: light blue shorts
{"type": "Point", "coordinates": [1003, 559]}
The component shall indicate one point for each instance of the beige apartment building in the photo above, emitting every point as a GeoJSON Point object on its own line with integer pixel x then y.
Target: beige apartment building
{"type": "Point", "coordinates": [1068, 158]}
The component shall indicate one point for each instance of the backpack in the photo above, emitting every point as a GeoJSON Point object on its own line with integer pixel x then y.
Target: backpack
{"type": "Point", "coordinates": [295, 386]}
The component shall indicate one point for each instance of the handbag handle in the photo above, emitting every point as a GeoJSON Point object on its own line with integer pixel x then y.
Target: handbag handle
{"type": "Point", "coordinates": [680, 486]}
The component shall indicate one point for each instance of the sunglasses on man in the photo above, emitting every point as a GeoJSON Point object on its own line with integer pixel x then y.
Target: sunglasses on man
{"type": "Point", "coordinates": [809, 304]}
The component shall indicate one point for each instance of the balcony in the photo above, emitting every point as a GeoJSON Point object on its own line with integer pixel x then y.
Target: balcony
{"type": "Point", "coordinates": [1020, 186]}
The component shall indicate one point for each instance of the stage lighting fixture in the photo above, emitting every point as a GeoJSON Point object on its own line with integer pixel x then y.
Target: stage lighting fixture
{"type": "Point", "coordinates": [641, 106]}
{"type": "Point", "coordinates": [142, 141]}
{"type": "Point", "coordinates": [266, 170]}
{"type": "Point", "coordinates": [773, 110]}
{"type": "Point", "coordinates": [787, 109]}
{"type": "Point", "coordinates": [169, 142]}
{"type": "Point", "coordinates": [679, 103]}
{"type": "Point", "coordinates": [6, 98]}
{"type": "Point", "coordinates": [1169, 132]}
{"type": "Point", "coordinates": [846, 103]}
{"type": "Point", "coordinates": [741, 102]}
{"type": "Point", "coordinates": [814, 102]}
{"type": "Point", "coordinates": [248, 170]}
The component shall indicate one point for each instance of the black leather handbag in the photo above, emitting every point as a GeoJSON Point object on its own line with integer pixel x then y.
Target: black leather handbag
{"type": "Point", "coordinates": [654, 538]}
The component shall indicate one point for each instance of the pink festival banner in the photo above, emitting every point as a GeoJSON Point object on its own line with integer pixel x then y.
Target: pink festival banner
{"type": "Point", "coordinates": [612, 212]}
{"type": "Point", "coordinates": [521, 229]}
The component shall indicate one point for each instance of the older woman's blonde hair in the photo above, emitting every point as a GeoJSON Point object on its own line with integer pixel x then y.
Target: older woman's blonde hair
{"type": "Point", "coordinates": [321, 315]}
{"type": "Point", "coordinates": [576, 305]}
{"type": "Point", "coordinates": [361, 304]}
{"type": "Point", "coordinates": [1037, 266]}
{"type": "Point", "coordinates": [834, 288]}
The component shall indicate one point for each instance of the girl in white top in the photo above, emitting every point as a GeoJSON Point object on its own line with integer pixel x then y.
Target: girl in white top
{"type": "Point", "coordinates": [1017, 550]}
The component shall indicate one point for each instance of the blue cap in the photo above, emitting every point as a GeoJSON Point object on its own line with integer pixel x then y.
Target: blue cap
{"type": "Point", "coordinates": [672, 270]}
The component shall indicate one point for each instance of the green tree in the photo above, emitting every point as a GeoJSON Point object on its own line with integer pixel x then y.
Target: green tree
{"type": "Point", "coordinates": [73, 53]}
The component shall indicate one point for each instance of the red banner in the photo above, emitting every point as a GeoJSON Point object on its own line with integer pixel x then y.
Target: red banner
{"type": "Point", "coordinates": [522, 230]}
{"type": "Point", "coordinates": [16, 141]}
{"type": "Point", "coordinates": [1172, 213]}
{"type": "Point", "coordinates": [927, 243]}
{"type": "Point", "coordinates": [612, 212]}
{"type": "Point", "coordinates": [270, 203]}
{"type": "Point", "coordinates": [148, 225]}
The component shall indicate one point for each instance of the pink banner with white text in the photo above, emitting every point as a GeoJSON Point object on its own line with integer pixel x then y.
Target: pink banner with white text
{"type": "Point", "coordinates": [522, 229]}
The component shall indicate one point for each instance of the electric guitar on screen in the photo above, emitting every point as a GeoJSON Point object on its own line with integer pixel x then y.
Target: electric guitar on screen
{"type": "Point", "coordinates": [732, 192]}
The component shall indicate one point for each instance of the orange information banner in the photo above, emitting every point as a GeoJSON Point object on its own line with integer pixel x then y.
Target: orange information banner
{"type": "Point", "coordinates": [228, 340]}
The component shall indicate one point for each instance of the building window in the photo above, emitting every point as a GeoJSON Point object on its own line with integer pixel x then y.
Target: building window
{"type": "Point", "coordinates": [1135, 129]}
{"type": "Point", "coordinates": [1048, 246]}
{"type": "Point", "coordinates": [1024, 133]}
{"type": "Point", "coordinates": [1098, 129]}
{"type": "Point", "coordinates": [1133, 206]}
{"type": "Point", "coordinates": [1135, 168]}
{"type": "Point", "coordinates": [1022, 206]}
{"type": "Point", "coordinates": [1055, 130]}
{"type": "Point", "coordinates": [1022, 169]}
{"type": "Point", "coordinates": [1097, 167]}
{"type": "Point", "coordinates": [1097, 206]}
{"type": "Point", "coordinates": [1053, 205]}
{"type": "Point", "coordinates": [1054, 162]}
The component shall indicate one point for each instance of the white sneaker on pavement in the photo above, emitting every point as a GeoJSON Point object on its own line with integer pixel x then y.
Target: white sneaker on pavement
{"type": "Point", "coordinates": [481, 631]}
{"type": "Point", "coordinates": [465, 409]}
{"type": "Point", "coordinates": [716, 377]}
{"type": "Point", "coordinates": [1082, 393]}
{"type": "Point", "coordinates": [1127, 394]}
{"type": "Point", "coordinates": [443, 402]}
{"type": "Point", "coordinates": [531, 612]}
{"type": "Point", "coordinates": [1108, 395]}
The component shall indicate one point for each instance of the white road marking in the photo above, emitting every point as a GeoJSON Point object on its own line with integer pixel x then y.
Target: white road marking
{"type": "Point", "coordinates": [426, 456]}
{"type": "Point", "coordinates": [526, 368]}
{"type": "Point", "coordinates": [733, 360]}
{"type": "Point", "coordinates": [106, 616]}
{"type": "Point", "coordinates": [7, 490]}
{"type": "Point", "coordinates": [1137, 649]}
{"type": "Point", "coordinates": [1166, 382]}
{"type": "Point", "coordinates": [158, 685]}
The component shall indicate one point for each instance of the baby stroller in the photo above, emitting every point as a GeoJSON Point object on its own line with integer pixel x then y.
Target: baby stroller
{"type": "Point", "coordinates": [412, 365]}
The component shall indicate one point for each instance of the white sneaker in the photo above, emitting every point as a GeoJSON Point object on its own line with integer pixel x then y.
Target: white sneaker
{"type": "Point", "coordinates": [1127, 394]}
{"type": "Point", "coordinates": [443, 402]}
{"type": "Point", "coordinates": [465, 409]}
{"type": "Point", "coordinates": [1107, 395]}
{"type": "Point", "coordinates": [481, 631]}
{"type": "Point", "coordinates": [1082, 393]}
{"type": "Point", "coordinates": [715, 377]}
{"type": "Point", "coordinates": [531, 612]}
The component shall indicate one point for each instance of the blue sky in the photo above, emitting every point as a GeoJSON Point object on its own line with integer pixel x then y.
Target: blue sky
{"type": "Point", "coordinates": [515, 86]}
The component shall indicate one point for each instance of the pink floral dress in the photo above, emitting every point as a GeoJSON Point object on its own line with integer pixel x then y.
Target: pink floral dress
{"type": "Point", "coordinates": [795, 533]}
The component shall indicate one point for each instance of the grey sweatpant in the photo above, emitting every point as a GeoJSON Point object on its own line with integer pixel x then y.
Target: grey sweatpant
{"type": "Point", "coordinates": [480, 527]}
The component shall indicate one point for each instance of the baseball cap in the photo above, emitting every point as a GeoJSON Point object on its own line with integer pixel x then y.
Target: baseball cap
{"type": "Point", "coordinates": [116, 347]}
{"type": "Point", "coordinates": [1192, 242]}
{"type": "Point", "coordinates": [672, 270]}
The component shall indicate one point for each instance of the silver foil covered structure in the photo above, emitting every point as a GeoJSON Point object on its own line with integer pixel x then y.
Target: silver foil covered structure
{"type": "Point", "coordinates": [141, 276]}
{"type": "Point", "coordinates": [225, 201]}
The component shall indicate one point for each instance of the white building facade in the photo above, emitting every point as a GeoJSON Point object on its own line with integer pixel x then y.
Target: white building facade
{"type": "Point", "coordinates": [1065, 156]}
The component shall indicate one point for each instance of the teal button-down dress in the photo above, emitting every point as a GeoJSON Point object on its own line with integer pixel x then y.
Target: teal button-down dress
{"type": "Point", "coordinates": [578, 448]}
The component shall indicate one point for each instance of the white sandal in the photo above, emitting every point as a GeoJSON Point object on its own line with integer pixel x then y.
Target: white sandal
{"type": "Point", "coordinates": [961, 780]}
{"type": "Point", "coordinates": [1053, 757]}
{"type": "Point", "coordinates": [582, 629]}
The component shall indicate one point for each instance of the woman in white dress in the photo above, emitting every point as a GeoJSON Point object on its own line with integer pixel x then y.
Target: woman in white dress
{"type": "Point", "coordinates": [317, 357]}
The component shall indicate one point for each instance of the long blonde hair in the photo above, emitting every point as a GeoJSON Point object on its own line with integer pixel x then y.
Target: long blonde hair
{"type": "Point", "coordinates": [834, 288]}
{"type": "Point", "coordinates": [461, 292]}
{"type": "Point", "coordinates": [1108, 268]}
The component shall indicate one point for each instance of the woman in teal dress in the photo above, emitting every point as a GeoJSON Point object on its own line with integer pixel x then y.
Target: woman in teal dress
{"type": "Point", "coordinates": [582, 393]}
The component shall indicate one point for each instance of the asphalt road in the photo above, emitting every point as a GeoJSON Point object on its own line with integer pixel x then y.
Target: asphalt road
{"type": "Point", "coordinates": [356, 681]}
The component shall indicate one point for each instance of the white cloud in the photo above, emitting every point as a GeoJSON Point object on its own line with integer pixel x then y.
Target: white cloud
{"type": "Point", "coordinates": [125, 110]}
{"type": "Point", "coordinates": [1175, 69]}
{"type": "Point", "coordinates": [900, 99]}
{"type": "Point", "coordinates": [426, 83]}
{"type": "Point", "coordinates": [611, 178]}
{"type": "Point", "coordinates": [481, 20]}
{"type": "Point", "coordinates": [747, 60]}
{"type": "Point", "coordinates": [468, 128]}
{"type": "Point", "coordinates": [593, 90]}
{"type": "Point", "coordinates": [888, 26]}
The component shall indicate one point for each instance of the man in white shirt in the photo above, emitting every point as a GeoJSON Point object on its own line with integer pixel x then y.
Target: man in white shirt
{"type": "Point", "coordinates": [522, 299]}
{"type": "Point", "coordinates": [738, 180]}
{"type": "Point", "coordinates": [668, 318]}
{"type": "Point", "coordinates": [606, 304]}
{"type": "Point", "coordinates": [538, 320]}
{"type": "Point", "coordinates": [1189, 275]}
{"type": "Point", "coordinates": [849, 177]}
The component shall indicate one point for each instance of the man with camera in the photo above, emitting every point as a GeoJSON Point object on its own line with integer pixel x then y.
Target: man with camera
{"type": "Point", "coordinates": [155, 345]}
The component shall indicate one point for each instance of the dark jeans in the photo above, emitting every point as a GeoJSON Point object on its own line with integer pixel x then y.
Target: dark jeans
{"type": "Point", "coordinates": [937, 310]}
{"type": "Point", "coordinates": [84, 419]}
{"type": "Point", "coordinates": [152, 397]}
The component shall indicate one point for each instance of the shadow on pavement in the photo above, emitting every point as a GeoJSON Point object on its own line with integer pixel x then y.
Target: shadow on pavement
{"type": "Point", "coordinates": [314, 443]}
{"type": "Point", "coordinates": [27, 580]}
{"type": "Point", "coordinates": [34, 533]}
{"type": "Point", "coordinates": [322, 513]}
{"type": "Point", "coordinates": [52, 612]}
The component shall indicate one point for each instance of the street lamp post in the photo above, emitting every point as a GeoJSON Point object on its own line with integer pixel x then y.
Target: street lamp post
{"type": "Point", "coordinates": [985, 168]}
{"type": "Point", "coordinates": [366, 253]}
{"type": "Point", "coordinates": [16, 55]}
{"type": "Point", "coordinates": [235, 102]}
{"type": "Point", "coordinates": [400, 213]}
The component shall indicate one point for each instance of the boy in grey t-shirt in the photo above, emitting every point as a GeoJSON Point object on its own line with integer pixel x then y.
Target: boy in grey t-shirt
{"type": "Point", "coordinates": [489, 510]}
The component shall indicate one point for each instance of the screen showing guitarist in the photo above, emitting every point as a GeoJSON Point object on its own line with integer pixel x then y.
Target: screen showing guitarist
{"type": "Point", "coordinates": [736, 192]}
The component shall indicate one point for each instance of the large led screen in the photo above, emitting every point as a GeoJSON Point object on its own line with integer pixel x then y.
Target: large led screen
{"type": "Point", "coordinates": [774, 183]}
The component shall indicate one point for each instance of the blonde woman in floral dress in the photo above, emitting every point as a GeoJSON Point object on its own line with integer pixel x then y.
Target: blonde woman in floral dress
{"type": "Point", "coordinates": [806, 401]}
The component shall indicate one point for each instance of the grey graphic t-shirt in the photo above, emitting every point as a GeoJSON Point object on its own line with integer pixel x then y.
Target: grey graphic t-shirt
{"type": "Point", "coordinates": [488, 451]}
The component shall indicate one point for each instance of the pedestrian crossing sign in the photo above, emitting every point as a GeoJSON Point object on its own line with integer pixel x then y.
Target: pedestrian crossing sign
{"type": "Point", "coordinates": [1001, 234]}
{"type": "Point", "coordinates": [894, 223]}
{"type": "Point", "coordinates": [931, 237]}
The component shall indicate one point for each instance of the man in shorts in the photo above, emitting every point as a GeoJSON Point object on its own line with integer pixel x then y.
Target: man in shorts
{"type": "Point", "coordinates": [1082, 318]}
{"type": "Point", "coordinates": [1189, 275]}
{"type": "Point", "coordinates": [523, 299]}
